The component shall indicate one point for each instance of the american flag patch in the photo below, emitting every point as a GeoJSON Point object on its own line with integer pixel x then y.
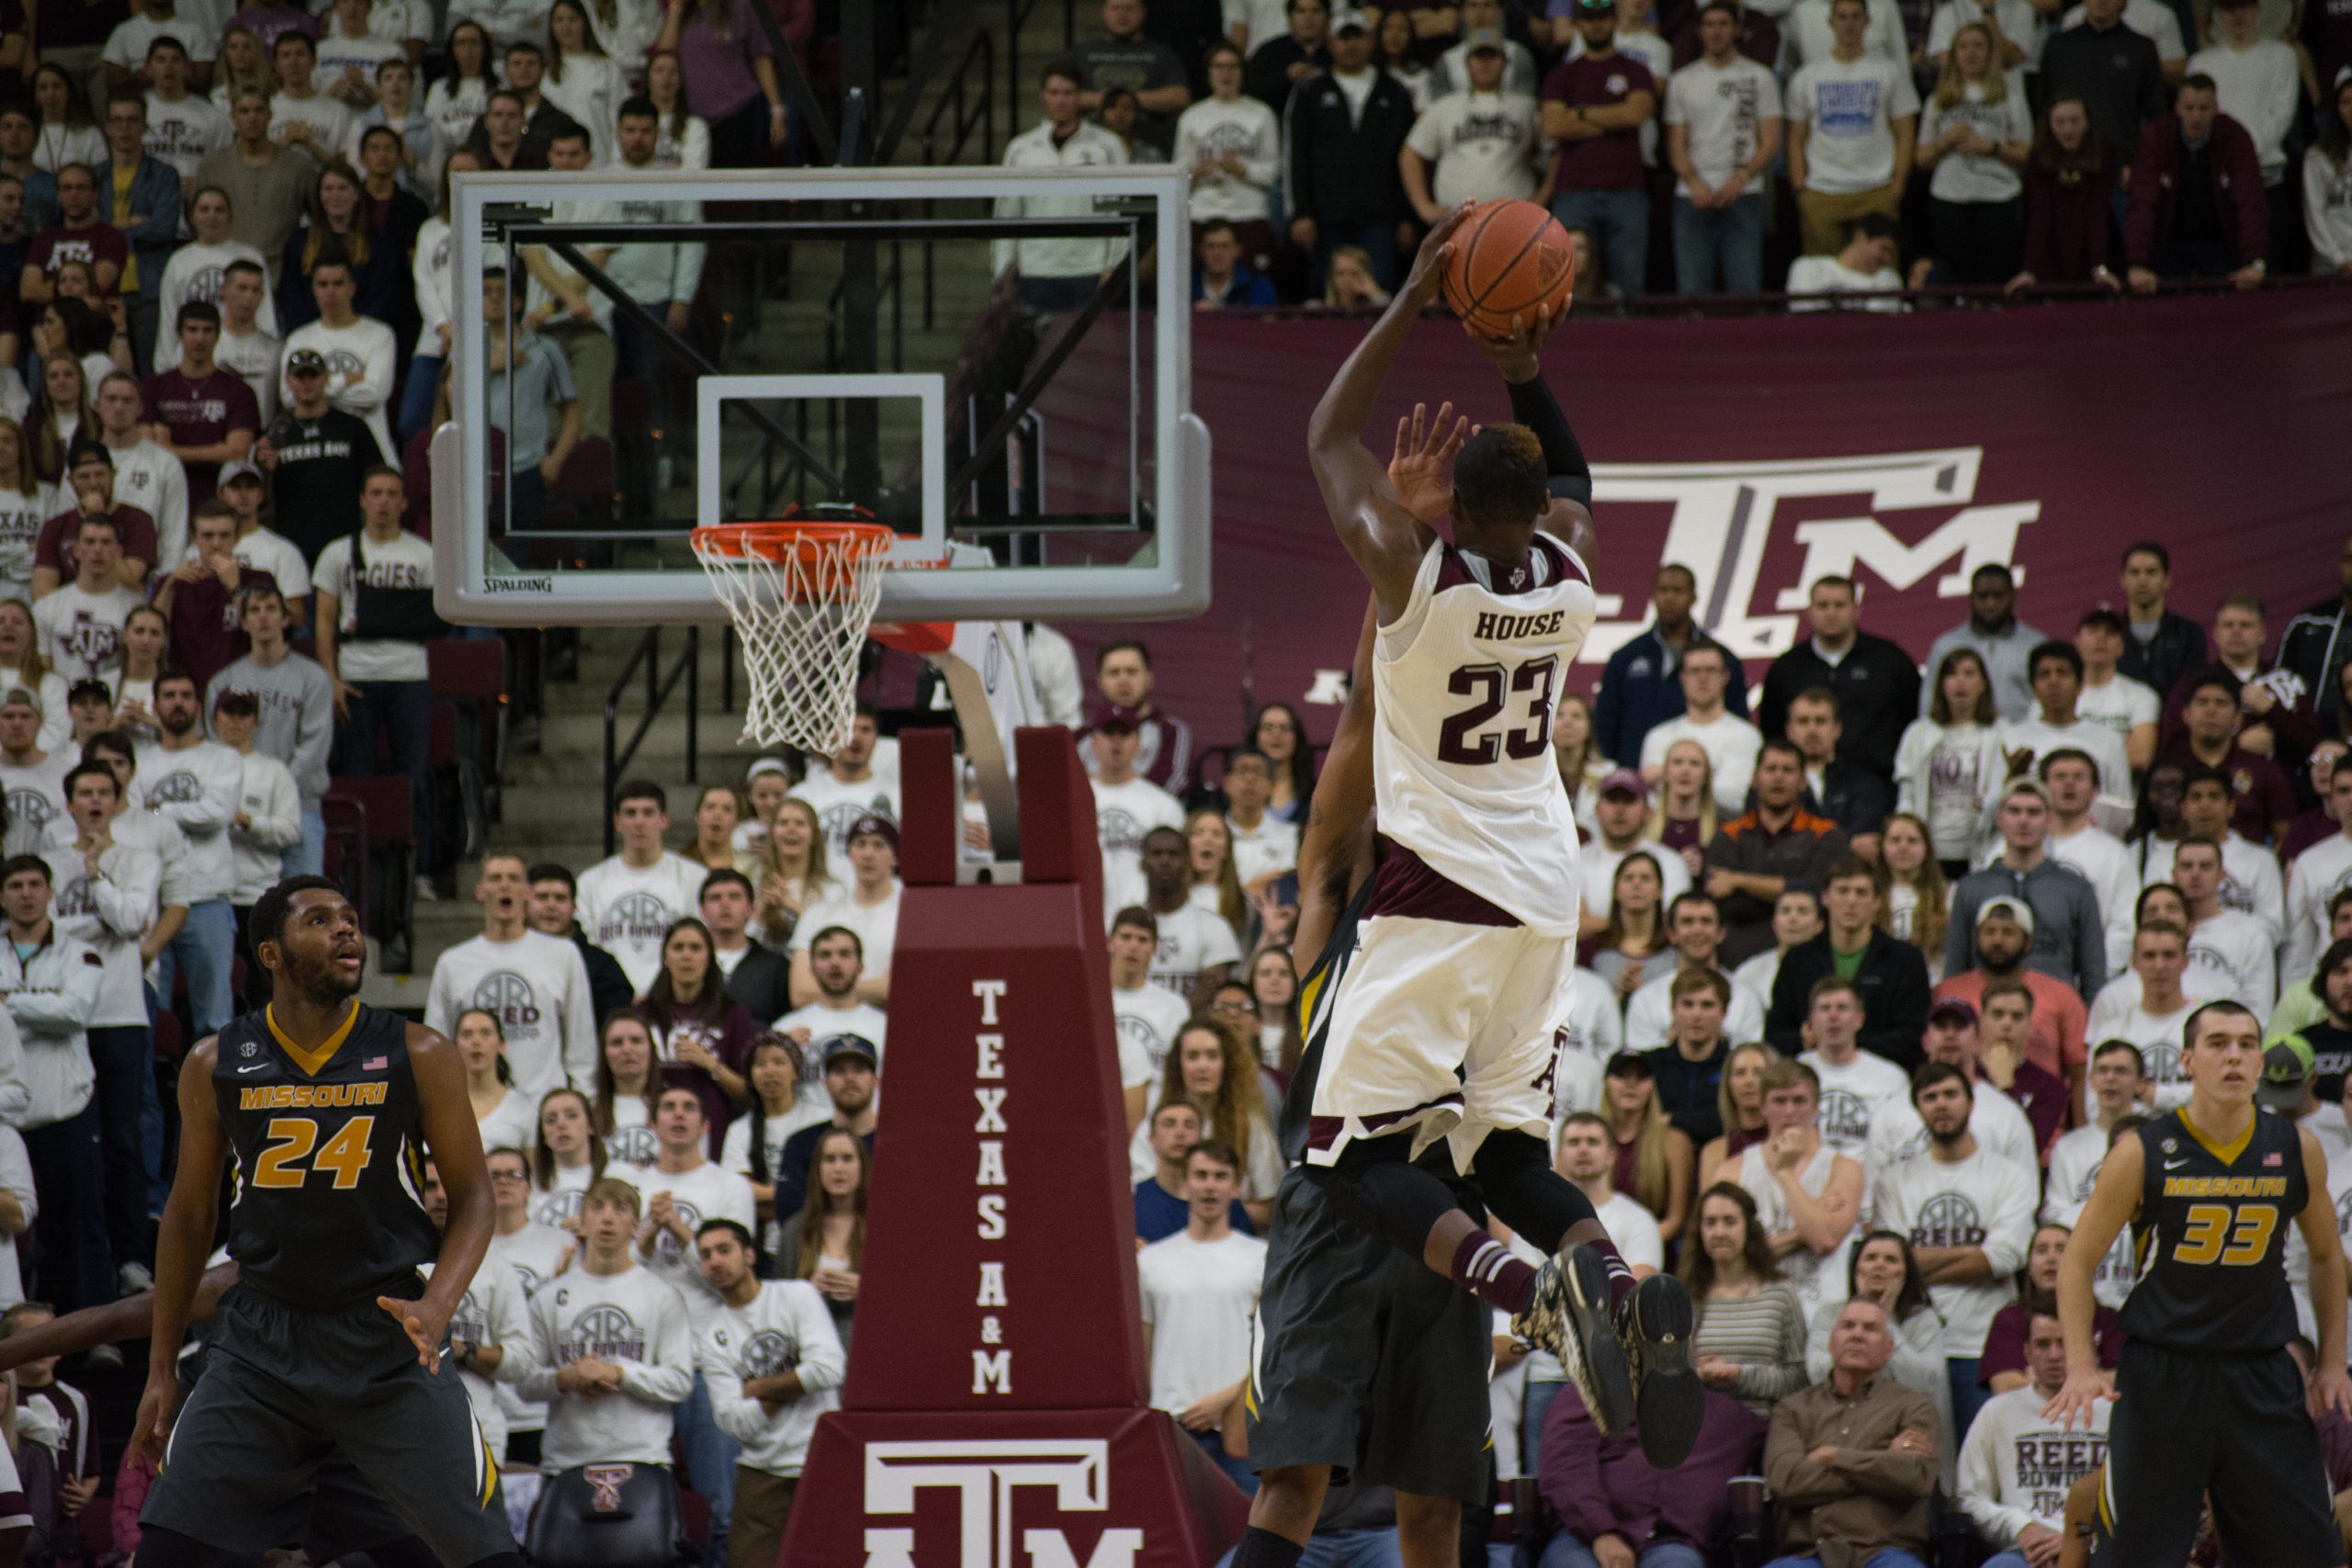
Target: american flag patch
{"type": "Point", "coordinates": [2271, 1159]}
{"type": "Point", "coordinates": [377, 1064]}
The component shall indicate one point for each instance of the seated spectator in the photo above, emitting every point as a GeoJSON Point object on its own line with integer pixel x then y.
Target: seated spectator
{"type": "Point", "coordinates": [1608, 1499]}
{"type": "Point", "coordinates": [1345, 185]}
{"type": "Point", "coordinates": [1161, 1204]}
{"type": "Point", "coordinates": [1851, 1460]}
{"type": "Point", "coordinates": [1199, 1290]}
{"type": "Point", "coordinates": [1621, 816]}
{"type": "Point", "coordinates": [1652, 1159]}
{"type": "Point", "coordinates": [1219, 279]}
{"type": "Point", "coordinates": [2327, 186]}
{"type": "Point", "coordinates": [1685, 818]}
{"type": "Point", "coordinates": [1853, 161]}
{"type": "Point", "coordinates": [90, 493]}
{"type": "Point", "coordinates": [1723, 133]}
{"type": "Point", "coordinates": [1739, 1107]}
{"type": "Point", "coordinates": [1863, 265]}
{"type": "Point", "coordinates": [1595, 104]}
{"type": "Point", "coordinates": [2117, 1088]}
{"type": "Point", "coordinates": [2006, 1364]}
{"type": "Point", "coordinates": [2000, 1122]}
{"type": "Point", "coordinates": [1731, 741]}
{"type": "Point", "coordinates": [2196, 208]}
{"type": "Point", "coordinates": [1690, 1066]}
{"type": "Point", "coordinates": [81, 624]}
{"type": "Point", "coordinates": [1890, 977]}
{"type": "Point", "coordinates": [1755, 858]}
{"type": "Point", "coordinates": [1750, 1339]}
{"type": "Point", "coordinates": [1807, 1195]}
{"type": "Point", "coordinates": [2015, 1467]}
{"type": "Point", "coordinates": [1695, 926]}
{"type": "Point", "coordinates": [1975, 135]}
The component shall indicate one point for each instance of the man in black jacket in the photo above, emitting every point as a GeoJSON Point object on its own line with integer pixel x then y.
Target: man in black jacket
{"type": "Point", "coordinates": [1890, 976]}
{"type": "Point", "coordinates": [1850, 793]}
{"type": "Point", "coordinates": [1278, 65]}
{"type": "Point", "coordinates": [554, 909]}
{"type": "Point", "coordinates": [1344, 129]}
{"type": "Point", "coordinates": [760, 978]}
{"type": "Point", "coordinates": [2162, 646]}
{"type": "Point", "coordinates": [1876, 684]}
{"type": "Point", "coordinates": [2318, 645]}
{"type": "Point", "coordinates": [2114, 71]}
{"type": "Point", "coordinates": [1690, 1066]}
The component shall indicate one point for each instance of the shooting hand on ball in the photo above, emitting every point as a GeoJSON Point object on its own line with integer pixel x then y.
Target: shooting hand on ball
{"type": "Point", "coordinates": [1520, 356]}
{"type": "Point", "coordinates": [1429, 262]}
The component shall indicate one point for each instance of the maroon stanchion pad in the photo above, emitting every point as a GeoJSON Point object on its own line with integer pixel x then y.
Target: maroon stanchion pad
{"type": "Point", "coordinates": [994, 1415]}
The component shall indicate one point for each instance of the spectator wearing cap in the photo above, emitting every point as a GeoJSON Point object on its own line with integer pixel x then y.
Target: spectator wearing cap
{"type": "Point", "coordinates": [867, 903]}
{"type": "Point", "coordinates": [81, 623]}
{"type": "Point", "coordinates": [90, 705]}
{"type": "Point", "coordinates": [1594, 107]}
{"type": "Point", "coordinates": [2257, 82]}
{"type": "Point", "coordinates": [1889, 976]}
{"type": "Point", "coordinates": [375, 590]}
{"type": "Point", "coordinates": [32, 778]}
{"type": "Point", "coordinates": [260, 547]}
{"type": "Point", "coordinates": [851, 1069]}
{"type": "Point", "coordinates": [1994, 635]}
{"type": "Point", "coordinates": [200, 595]}
{"type": "Point", "coordinates": [1449, 72]}
{"type": "Point", "coordinates": [1729, 740]}
{"type": "Point", "coordinates": [1863, 265]}
{"type": "Point", "coordinates": [1278, 61]}
{"type": "Point", "coordinates": [79, 234]}
{"type": "Point", "coordinates": [203, 414]}
{"type": "Point", "coordinates": [1345, 130]}
{"type": "Point", "coordinates": [1999, 939]}
{"type": "Point", "coordinates": [1852, 118]}
{"type": "Point", "coordinates": [358, 351]}
{"type": "Point", "coordinates": [1874, 682]}
{"type": "Point", "coordinates": [1233, 144]}
{"type": "Point", "coordinates": [1641, 687]}
{"type": "Point", "coordinates": [1220, 279]}
{"type": "Point", "coordinates": [1127, 806]}
{"type": "Point", "coordinates": [1850, 794]}
{"type": "Point", "coordinates": [317, 457]}
{"type": "Point", "coordinates": [2000, 1123]}
{"type": "Point", "coordinates": [1124, 679]}
{"type": "Point", "coordinates": [2196, 203]}
{"type": "Point", "coordinates": [1480, 143]}
{"type": "Point", "coordinates": [1773, 845]}
{"type": "Point", "coordinates": [1724, 128]}
{"type": "Point", "coordinates": [89, 478]}
{"type": "Point", "coordinates": [1058, 272]}
{"type": "Point", "coordinates": [1620, 815]}
{"type": "Point", "coordinates": [2113, 69]}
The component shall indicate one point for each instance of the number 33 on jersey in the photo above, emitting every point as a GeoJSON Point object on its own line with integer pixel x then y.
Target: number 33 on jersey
{"type": "Point", "coordinates": [1467, 677]}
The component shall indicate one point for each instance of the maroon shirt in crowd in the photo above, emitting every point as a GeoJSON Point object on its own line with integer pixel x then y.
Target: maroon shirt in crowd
{"type": "Point", "coordinates": [208, 633]}
{"type": "Point", "coordinates": [1600, 1486]}
{"type": "Point", "coordinates": [2260, 796]}
{"type": "Point", "coordinates": [2236, 169]}
{"type": "Point", "coordinates": [201, 413]}
{"type": "Point", "coordinates": [731, 1042]}
{"type": "Point", "coordinates": [1612, 161]}
{"type": "Point", "coordinates": [2004, 1342]}
{"type": "Point", "coordinates": [2068, 221]}
{"type": "Point", "coordinates": [93, 242]}
{"type": "Point", "coordinates": [55, 547]}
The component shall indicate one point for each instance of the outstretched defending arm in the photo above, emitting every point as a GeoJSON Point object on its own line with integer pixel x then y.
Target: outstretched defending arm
{"type": "Point", "coordinates": [1568, 517]}
{"type": "Point", "coordinates": [1380, 532]}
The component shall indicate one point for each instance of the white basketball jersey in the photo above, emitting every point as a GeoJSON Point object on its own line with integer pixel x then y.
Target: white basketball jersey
{"type": "Point", "coordinates": [1467, 678]}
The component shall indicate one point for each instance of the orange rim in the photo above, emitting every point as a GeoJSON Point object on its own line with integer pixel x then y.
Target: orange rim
{"type": "Point", "coordinates": [805, 539]}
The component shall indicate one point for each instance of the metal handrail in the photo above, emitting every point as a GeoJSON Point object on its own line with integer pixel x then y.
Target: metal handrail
{"type": "Point", "coordinates": [658, 688]}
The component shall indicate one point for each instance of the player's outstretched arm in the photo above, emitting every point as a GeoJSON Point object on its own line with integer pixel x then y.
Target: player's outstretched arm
{"type": "Point", "coordinates": [453, 1140]}
{"type": "Point", "coordinates": [1338, 815]}
{"type": "Point", "coordinates": [1382, 536]}
{"type": "Point", "coordinates": [2330, 1385]}
{"type": "Point", "coordinates": [1519, 358]}
{"type": "Point", "coordinates": [2113, 1203]}
{"type": "Point", "coordinates": [181, 1243]}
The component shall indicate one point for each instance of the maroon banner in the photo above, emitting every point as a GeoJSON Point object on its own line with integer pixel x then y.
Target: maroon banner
{"type": "Point", "coordinates": [1766, 452]}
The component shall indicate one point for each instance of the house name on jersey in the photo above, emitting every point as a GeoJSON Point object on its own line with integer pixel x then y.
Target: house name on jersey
{"type": "Point", "coordinates": [2225, 1187]}
{"type": "Point", "coordinates": [307, 1095]}
{"type": "Point", "coordinates": [1725, 516]}
{"type": "Point", "coordinates": [991, 1359]}
{"type": "Point", "coordinates": [1494, 626]}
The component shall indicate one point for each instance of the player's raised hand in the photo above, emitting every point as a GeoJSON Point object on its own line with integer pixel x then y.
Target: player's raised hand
{"type": "Point", "coordinates": [423, 1323]}
{"type": "Point", "coordinates": [2078, 1400]}
{"type": "Point", "coordinates": [1429, 262]}
{"type": "Point", "coordinates": [2331, 1389]}
{"type": "Point", "coordinates": [157, 1407]}
{"type": "Point", "coordinates": [1520, 356]}
{"type": "Point", "coordinates": [1424, 459]}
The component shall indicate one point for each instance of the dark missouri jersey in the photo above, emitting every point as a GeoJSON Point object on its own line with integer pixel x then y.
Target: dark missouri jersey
{"type": "Point", "coordinates": [329, 1155]}
{"type": "Point", "coordinates": [2210, 1236]}
{"type": "Point", "coordinates": [1319, 997]}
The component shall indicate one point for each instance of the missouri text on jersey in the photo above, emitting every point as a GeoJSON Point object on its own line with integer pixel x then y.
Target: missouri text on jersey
{"type": "Point", "coordinates": [298, 1097]}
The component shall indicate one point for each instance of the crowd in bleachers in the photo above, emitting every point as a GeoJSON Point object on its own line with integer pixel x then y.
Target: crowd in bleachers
{"type": "Point", "coordinates": [1863, 146]}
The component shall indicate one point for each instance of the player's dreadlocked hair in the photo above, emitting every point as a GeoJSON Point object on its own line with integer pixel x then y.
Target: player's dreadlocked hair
{"type": "Point", "coordinates": [1499, 479]}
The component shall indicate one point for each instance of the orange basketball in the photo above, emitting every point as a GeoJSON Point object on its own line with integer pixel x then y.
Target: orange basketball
{"type": "Point", "coordinates": [1508, 258]}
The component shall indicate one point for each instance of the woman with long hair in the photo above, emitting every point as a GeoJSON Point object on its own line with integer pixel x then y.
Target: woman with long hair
{"type": "Point", "coordinates": [718, 811]}
{"type": "Point", "coordinates": [2069, 203]}
{"type": "Point", "coordinates": [582, 80]}
{"type": "Point", "coordinates": [1210, 1066]}
{"type": "Point", "coordinates": [1739, 1102]}
{"type": "Point", "coordinates": [242, 65]}
{"type": "Point", "coordinates": [504, 1116]}
{"type": "Point", "coordinates": [1948, 764]}
{"type": "Point", "coordinates": [1280, 733]}
{"type": "Point", "coordinates": [68, 132]}
{"type": "Point", "coordinates": [22, 664]}
{"type": "Point", "coordinates": [1581, 765]}
{"type": "Point", "coordinates": [1396, 51]}
{"type": "Point", "coordinates": [1634, 934]}
{"type": "Point", "coordinates": [63, 412]}
{"type": "Point", "coordinates": [791, 874]}
{"type": "Point", "coordinates": [339, 224]}
{"type": "Point", "coordinates": [1749, 1341]}
{"type": "Point", "coordinates": [1685, 818]}
{"type": "Point", "coordinates": [1350, 283]}
{"type": "Point", "coordinates": [1215, 886]}
{"type": "Point", "coordinates": [730, 78]}
{"type": "Point", "coordinates": [2002, 1366]}
{"type": "Point", "coordinates": [629, 1086]}
{"type": "Point", "coordinates": [146, 637]}
{"type": "Point", "coordinates": [1915, 900]}
{"type": "Point", "coordinates": [1973, 136]}
{"type": "Point", "coordinates": [701, 1034]}
{"type": "Point", "coordinates": [2327, 184]}
{"type": "Point", "coordinates": [23, 509]}
{"type": "Point", "coordinates": [1273, 987]}
{"type": "Point", "coordinates": [429, 279]}
{"type": "Point", "coordinates": [1883, 1269]}
{"type": "Point", "coordinates": [825, 1242]}
{"type": "Point", "coordinates": [70, 327]}
{"type": "Point", "coordinates": [781, 1106]}
{"type": "Point", "coordinates": [454, 101]}
{"type": "Point", "coordinates": [681, 139]}
{"type": "Point", "coordinates": [566, 1156]}
{"type": "Point", "coordinates": [2157, 817]}
{"type": "Point", "coordinates": [1654, 1155]}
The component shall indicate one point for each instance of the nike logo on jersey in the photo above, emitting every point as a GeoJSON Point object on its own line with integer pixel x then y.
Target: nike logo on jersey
{"type": "Point", "coordinates": [254, 1068]}
{"type": "Point", "coordinates": [2175, 1164]}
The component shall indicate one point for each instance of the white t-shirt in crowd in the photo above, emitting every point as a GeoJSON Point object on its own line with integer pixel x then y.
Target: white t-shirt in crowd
{"type": "Point", "coordinates": [1197, 1299]}
{"type": "Point", "coordinates": [2251, 884]}
{"type": "Point", "coordinates": [81, 632]}
{"type": "Point", "coordinates": [1649, 1016]}
{"type": "Point", "coordinates": [1596, 866]}
{"type": "Point", "coordinates": [560, 1200]}
{"type": "Point", "coordinates": [1246, 127]}
{"type": "Point", "coordinates": [1851, 106]}
{"type": "Point", "coordinates": [1851, 1096]}
{"type": "Point", "coordinates": [1124, 814]}
{"type": "Point", "coordinates": [2312, 882]}
{"type": "Point", "coordinates": [513, 1123]}
{"type": "Point", "coordinates": [1147, 1020]}
{"type": "Point", "coordinates": [1722, 110]}
{"type": "Point", "coordinates": [838, 805]}
{"type": "Point", "coordinates": [2122, 704]}
{"type": "Point", "coordinates": [786, 1327]}
{"type": "Point", "coordinates": [2015, 1468]}
{"type": "Point", "coordinates": [2258, 87]}
{"type": "Point", "coordinates": [536, 985]}
{"type": "Point", "coordinates": [635, 1320]}
{"type": "Point", "coordinates": [1978, 177]}
{"type": "Point", "coordinates": [2238, 951]}
{"type": "Point", "coordinates": [405, 562]}
{"type": "Point", "coordinates": [1982, 1201]}
{"type": "Point", "coordinates": [2158, 1036]}
{"type": "Point", "coordinates": [1731, 744]}
{"type": "Point", "coordinates": [865, 1019]}
{"type": "Point", "coordinates": [492, 1313]}
{"type": "Point", "coordinates": [2075, 1160]}
{"type": "Point", "coordinates": [1273, 845]}
{"type": "Point", "coordinates": [2105, 746]}
{"type": "Point", "coordinates": [1191, 939]}
{"type": "Point", "coordinates": [876, 925]}
{"type": "Point", "coordinates": [626, 910]}
{"type": "Point", "coordinates": [1828, 274]}
{"type": "Point", "coordinates": [1999, 1125]}
{"type": "Point", "coordinates": [1483, 146]}
{"type": "Point", "coordinates": [2152, 20]}
{"type": "Point", "coordinates": [708, 1192]}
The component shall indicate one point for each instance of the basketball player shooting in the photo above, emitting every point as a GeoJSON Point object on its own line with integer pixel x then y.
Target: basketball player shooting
{"type": "Point", "coordinates": [1445, 1030]}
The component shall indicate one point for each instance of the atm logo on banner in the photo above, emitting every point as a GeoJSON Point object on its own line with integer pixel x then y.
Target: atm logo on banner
{"type": "Point", "coordinates": [1725, 517]}
{"type": "Point", "coordinates": [984, 1477]}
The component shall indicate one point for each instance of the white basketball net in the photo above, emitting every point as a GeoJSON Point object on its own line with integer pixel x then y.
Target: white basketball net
{"type": "Point", "coordinates": [802, 620]}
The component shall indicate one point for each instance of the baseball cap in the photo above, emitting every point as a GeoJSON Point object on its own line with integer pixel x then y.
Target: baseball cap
{"type": "Point", "coordinates": [1596, 7]}
{"type": "Point", "coordinates": [1348, 17]}
{"type": "Point", "coordinates": [87, 451]}
{"type": "Point", "coordinates": [1959, 1008]}
{"type": "Point", "coordinates": [242, 468]}
{"type": "Point", "coordinates": [241, 703]}
{"type": "Point", "coordinates": [2286, 1074]}
{"type": "Point", "coordinates": [18, 697]}
{"type": "Point", "coordinates": [305, 359]}
{"type": "Point", "coordinates": [1630, 1064]}
{"type": "Point", "coordinates": [1485, 38]}
{"type": "Point", "coordinates": [89, 692]}
{"type": "Point", "coordinates": [2015, 908]}
{"type": "Point", "coordinates": [1119, 719]}
{"type": "Point", "coordinates": [1625, 781]}
{"type": "Point", "coordinates": [836, 1048]}
{"type": "Point", "coordinates": [874, 823]}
